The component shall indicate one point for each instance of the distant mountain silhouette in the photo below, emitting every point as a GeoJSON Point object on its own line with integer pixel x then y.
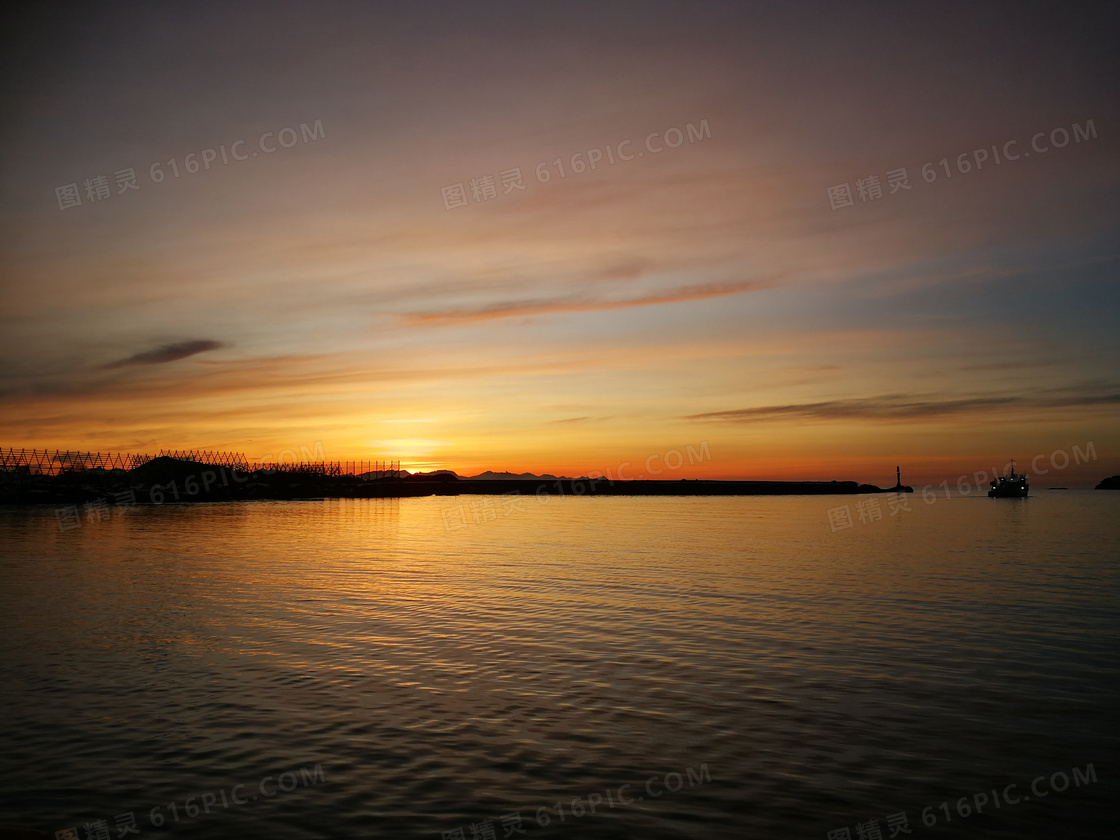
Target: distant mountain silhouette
{"type": "Point", "coordinates": [441, 475]}
{"type": "Point", "coordinates": [1112, 483]}
{"type": "Point", "coordinates": [163, 469]}
{"type": "Point", "coordinates": [490, 475]}
{"type": "Point", "coordinates": [448, 474]}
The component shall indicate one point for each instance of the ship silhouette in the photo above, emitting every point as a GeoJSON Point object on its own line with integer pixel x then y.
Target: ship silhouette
{"type": "Point", "coordinates": [1011, 486]}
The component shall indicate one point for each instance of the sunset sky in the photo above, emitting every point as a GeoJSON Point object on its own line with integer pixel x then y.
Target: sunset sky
{"type": "Point", "coordinates": [708, 293]}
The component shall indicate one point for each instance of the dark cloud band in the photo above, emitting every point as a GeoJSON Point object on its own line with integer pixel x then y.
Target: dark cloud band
{"type": "Point", "coordinates": [168, 353]}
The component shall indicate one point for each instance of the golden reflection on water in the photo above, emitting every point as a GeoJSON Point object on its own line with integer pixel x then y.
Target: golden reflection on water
{"type": "Point", "coordinates": [451, 669]}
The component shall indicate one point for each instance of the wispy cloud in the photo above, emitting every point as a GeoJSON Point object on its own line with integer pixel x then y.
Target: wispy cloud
{"type": "Point", "coordinates": [515, 309]}
{"type": "Point", "coordinates": [167, 353]}
{"type": "Point", "coordinates": [906, 406]}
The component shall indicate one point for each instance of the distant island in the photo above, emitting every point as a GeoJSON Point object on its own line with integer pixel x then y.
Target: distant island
{"type": "Point", "coordinates": [166, 480]}
{"type": "Point", "coordinates": [1112, 483]}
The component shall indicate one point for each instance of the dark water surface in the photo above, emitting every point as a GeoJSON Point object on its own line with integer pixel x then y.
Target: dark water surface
{"type": "Point", "coordinates": [744, 670]}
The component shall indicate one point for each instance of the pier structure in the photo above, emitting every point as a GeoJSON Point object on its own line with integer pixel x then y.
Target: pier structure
{"type": "Point", "coordinates": [46, 462]}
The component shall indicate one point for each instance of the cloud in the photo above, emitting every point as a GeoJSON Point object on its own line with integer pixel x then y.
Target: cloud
{"type": "Point", "coordinates": [905, 407]}
{"type": "Point", "coordinates": [523, 308]}
{"type": "Point", "coordinates": [167, 353]}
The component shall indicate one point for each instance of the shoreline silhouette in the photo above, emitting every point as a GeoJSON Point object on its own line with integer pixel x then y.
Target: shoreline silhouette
{"type": "Point", "coordinates": [166, 480]}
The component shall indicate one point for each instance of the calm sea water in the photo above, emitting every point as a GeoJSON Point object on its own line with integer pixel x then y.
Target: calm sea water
{"type": "Point", "coordinates": [691, 667]}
